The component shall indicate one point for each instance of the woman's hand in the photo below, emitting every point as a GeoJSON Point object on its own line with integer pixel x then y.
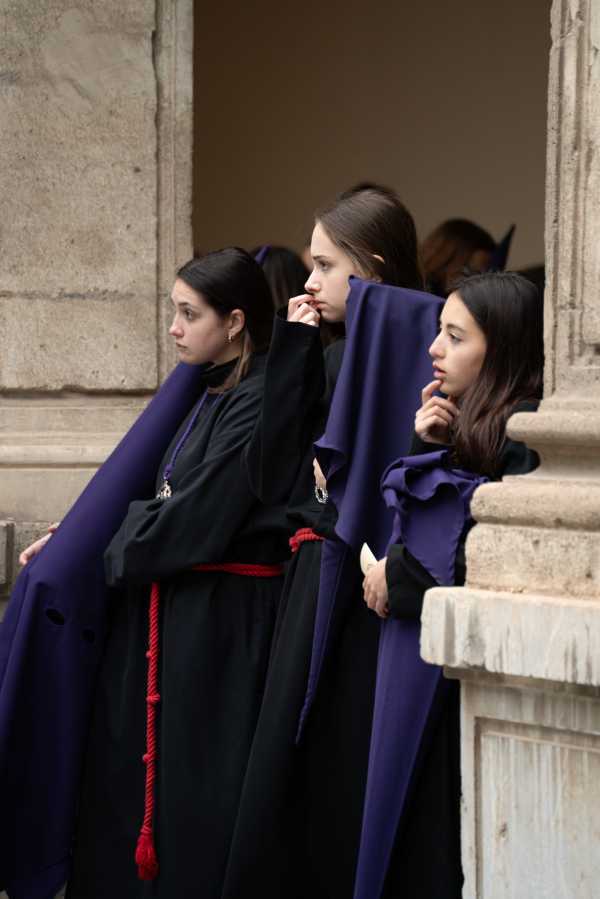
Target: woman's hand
{"type": "Point", "coordinates": [319, 476]}
{"type": "Point", "coordinates": [300, 310]}
{"type": "Point", "coordinates": [375, 589]}
{"type": "Point", "coordinates": [434, 419]}
{"type": "Point", "coordinates": [35, 548]}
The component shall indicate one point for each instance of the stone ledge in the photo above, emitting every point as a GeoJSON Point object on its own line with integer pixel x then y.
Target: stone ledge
{"type": "Point", "coordinates": [548, 426]}
{"type": "Point", "coordinates": [538, 560]}
{"type": "Point", "coordinates": [534, 636]}
{"type": "Point", "coordinates": [73, 450]}
{"type": "Point", "coordinates": [567, 440]}
{"type": "Point", "coordinates": [540, 501]}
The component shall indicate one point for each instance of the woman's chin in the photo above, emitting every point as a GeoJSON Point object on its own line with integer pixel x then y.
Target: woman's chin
{"type": "Point", "coordinates": [331, 316]}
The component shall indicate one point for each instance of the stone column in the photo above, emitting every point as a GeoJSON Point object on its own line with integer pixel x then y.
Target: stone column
{"type": "Point", "coordinates": [95, 179]}
{"type": "Point", "coordinates": [523, 635]}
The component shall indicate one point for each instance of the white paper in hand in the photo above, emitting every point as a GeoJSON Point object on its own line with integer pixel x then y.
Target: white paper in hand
{"type": "Point", "coordinates": [367, 559]}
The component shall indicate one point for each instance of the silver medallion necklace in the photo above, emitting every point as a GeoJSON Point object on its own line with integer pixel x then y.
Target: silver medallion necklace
{"type": "Point", "coordinates": [166, 490]}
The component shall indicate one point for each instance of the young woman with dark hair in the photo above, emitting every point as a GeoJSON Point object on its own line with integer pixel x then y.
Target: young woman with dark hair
{"type": "Point", "coordinates": [187, 707]}
{"type": "Point", "coordinates": [487, 364]}
{"type": "Point", "coordinates": [298, 828]}
{"type": "Point", "coordinates": [503, 315]}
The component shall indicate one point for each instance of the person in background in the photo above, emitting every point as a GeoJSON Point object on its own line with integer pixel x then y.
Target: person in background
{"type": "Point", "coordinates": [453, 246]}
{"type": "Point", "coordinates": [284, 270]}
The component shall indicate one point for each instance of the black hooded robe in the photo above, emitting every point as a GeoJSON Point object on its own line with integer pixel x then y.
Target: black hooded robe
{"type": "Point", "coordinates": [299, 818]}
{"type": "Point", "coordinates": [215, 636]}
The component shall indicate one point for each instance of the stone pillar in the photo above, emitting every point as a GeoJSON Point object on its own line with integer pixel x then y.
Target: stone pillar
{"type": "Point", "coordinates": [95, 179]}
{"type": "Point", "coordinates": [523, 635]}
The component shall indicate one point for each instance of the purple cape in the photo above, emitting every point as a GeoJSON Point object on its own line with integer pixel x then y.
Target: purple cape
{"type": "Point", "coordinates": [431, 510]}
{"type": "Point", "coordinates": [51, 642]}
{"type": "Point", "coordinates": [371, 420]}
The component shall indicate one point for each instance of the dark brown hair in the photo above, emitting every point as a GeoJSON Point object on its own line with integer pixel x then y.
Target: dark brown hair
{"type": "Point", "coordinates": [232, 279]}
{"type": "Point", "coordinates": [285, 272]}
{"type": "Point", "coordinates": [368, 220]}
{"type": "Point", "coordinates": [508, 310]}
{"type": "Point", "coordinates": [449, 248]}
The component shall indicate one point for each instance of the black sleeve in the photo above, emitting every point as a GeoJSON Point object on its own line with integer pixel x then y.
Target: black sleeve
{"type": "Point", "coordinates": [419, 447]}
{"type": "Point", "coordinates": [161, 537]}
{"type": "Point", "coordinates": [333, 357]}
{"type": "Point", "coordinates": [516, 457]}
{"type": "Point", "coordinates": [407, 581]}
{"type": "Point", "coordinates": [293, 386]}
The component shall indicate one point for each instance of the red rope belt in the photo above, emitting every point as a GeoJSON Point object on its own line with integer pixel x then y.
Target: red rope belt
{"type": "Point", "coordinates": [304, 535]}
{"type": "Point", "coordinates": [145, 853]}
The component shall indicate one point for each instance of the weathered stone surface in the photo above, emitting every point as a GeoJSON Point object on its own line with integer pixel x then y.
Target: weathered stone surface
{"type": "Point", "coordinates": [531, 794]}
{"type": "Point", "coordinates": [6, 528]}
{"type": "Point", "coordinates": [96, 343]}
{"type": "Point", "coordinates": [542, 560]}
{"type": "Point", "coordinates": [96, 123]}
{"type": "Point", "coordinates": [522, 635]}
{"type": "Point", "coordinates": [50, 450]}
{"type": "Point", "coordinates": [78, 182]}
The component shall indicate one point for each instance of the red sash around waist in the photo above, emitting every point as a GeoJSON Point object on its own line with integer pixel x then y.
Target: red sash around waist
{"type": "Point", "coordinates": [145, 853]}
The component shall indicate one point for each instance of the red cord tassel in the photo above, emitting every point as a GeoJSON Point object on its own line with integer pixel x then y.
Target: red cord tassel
{"type": "Point", "coordinates": [145, 856]}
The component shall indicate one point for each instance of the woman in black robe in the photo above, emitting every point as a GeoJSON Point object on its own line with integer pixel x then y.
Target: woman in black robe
{"type": "Point", "coordinates": [487, 361]}
{"type": "Point", "coordinates": [215, 626]}
{"type": "Point", "coordinates": [299, 820]}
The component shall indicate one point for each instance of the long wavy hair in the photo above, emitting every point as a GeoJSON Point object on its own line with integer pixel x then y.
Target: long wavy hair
{"type": "Point", "coordinates": [232, 279]}
{"type": "Point", "coordinates": [508, 310]}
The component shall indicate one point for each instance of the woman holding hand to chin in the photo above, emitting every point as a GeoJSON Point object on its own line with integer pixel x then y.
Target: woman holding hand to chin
{"type": "Point", "coordinates": [298, 827]}
{"type": "Point", "coordinates": [487, 364]}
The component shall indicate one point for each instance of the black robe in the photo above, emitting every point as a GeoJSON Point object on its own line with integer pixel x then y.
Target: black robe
{"type": "Point", "coordinates": [299, 819]}
{"type": "Point", "coordinates": [426, 860]}
{"type": "Point", "coordinates": [215, 637]}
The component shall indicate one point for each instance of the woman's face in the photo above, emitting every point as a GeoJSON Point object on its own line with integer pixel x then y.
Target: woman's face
{"type": "Point", "coordinates": [328, 281]}
{"type": "Point", "coordinates": [201, 335]}
{"type": "Point", "coordinates": [459, 349]}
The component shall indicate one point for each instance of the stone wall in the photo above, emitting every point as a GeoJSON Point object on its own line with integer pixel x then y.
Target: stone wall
{"type": "Point", "coordinates": [96, 123]}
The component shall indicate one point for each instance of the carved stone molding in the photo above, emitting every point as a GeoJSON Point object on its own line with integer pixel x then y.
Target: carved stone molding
{"type": "Point", "coordinates": [572, 205]}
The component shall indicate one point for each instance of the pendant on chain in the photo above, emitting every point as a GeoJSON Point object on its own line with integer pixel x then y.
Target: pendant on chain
{"type": "Point", "coordinates": [165, 491]}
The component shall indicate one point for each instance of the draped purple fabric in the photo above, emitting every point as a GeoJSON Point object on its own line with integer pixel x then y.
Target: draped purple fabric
{"type": "Point", "coordinates": [51, 642]}
{"type": "Point", "coordinates": [431, 504]}
{"type": "Point", "coordinates": [385, 366]}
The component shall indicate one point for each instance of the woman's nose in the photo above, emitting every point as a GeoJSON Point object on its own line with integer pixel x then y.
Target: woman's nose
{"type": "Point", "coordinates": [436, 349]}
{"type": "Point", "coordinates": [312, 285]}
{"type": "Point", "coordinates": [175, 329]}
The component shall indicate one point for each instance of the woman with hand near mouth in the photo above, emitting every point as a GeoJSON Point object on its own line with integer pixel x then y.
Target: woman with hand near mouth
{"type": "Point", "coordinates": [487, 362]}
{"type": "Point", "coordinates": [203, 558]}
{"type": "Point", "coordinates": [366, 232]}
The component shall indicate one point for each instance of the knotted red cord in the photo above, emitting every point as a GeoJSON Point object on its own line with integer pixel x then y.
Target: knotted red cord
{"type": "Point", "coordinates": [145, 853]}
{"type": "Point", "coordinates": [304, 535]}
